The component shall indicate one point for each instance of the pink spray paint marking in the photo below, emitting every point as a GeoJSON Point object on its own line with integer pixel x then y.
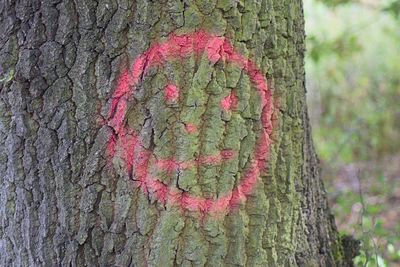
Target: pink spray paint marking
{"type": "Point", "coordinates": [191, 128]}
{"type": "Point", "coordinates": [126, 144]}
{"type": "Point", "coordinates": [171, 93]}
{"type": "Point", "coordinates": [229, 102]}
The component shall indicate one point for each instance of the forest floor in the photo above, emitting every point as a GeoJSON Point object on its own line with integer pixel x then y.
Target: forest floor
{"type": "Point", "coordinates": [365, 198]}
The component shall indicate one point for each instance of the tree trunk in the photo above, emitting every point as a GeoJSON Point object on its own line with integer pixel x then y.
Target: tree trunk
{"type": "Point", "coordinates": [135, 133]}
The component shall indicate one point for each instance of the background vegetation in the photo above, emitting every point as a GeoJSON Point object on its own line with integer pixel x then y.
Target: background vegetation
{"type": "Point", "coordinates": [353, 82]}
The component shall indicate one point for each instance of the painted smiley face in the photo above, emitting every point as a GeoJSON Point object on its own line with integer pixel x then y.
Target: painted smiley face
{"type": "Point", "coordinates": [167, 169]}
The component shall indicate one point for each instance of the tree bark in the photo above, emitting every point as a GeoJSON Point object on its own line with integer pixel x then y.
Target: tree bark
{"type": "Point", "coordinates": [67, 199]}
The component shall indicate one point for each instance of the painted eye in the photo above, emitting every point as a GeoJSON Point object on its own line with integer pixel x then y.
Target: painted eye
{"type": "Point", "coordinates": [171, 93]}
{"type": "Point", "coordinates": [191, 128]}
{"type": "Point", "coordinates": [229, 102]}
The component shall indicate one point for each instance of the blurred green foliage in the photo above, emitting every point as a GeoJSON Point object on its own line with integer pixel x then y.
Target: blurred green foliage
{"type": "Point", "coordinates": [333, 3]}
{"type": "Point", "coordinates": [353, 83]}
{"type": "Point", "coordinates": [342, 46]}
{"type": "Point", "coordinates": [353, 68]}
{"type": "Point", "coordinates": [393, 8]}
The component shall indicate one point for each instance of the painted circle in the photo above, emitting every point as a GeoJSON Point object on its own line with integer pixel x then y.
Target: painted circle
{"type": "Point", "coordinates": [175, 47]}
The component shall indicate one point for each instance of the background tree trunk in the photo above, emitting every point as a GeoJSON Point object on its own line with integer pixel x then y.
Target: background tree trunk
{"type": "Point", "coordinates": [63, 203]}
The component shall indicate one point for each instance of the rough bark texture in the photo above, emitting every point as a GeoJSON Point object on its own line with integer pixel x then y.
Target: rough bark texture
{"type": "Point", "coordinates": [63, 204]}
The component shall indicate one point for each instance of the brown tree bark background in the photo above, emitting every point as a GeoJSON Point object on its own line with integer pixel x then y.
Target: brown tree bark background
{"type": "Point", "coordinates": [61, 204]}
